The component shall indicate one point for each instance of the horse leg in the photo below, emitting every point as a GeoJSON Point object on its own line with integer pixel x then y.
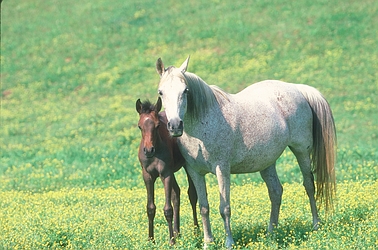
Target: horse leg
{"type": "Point", "coordinates": [224, 206]}
{"type": "Point", "coordinates": [304, 162]}
{"type": "Point", "coordinates": [168, 210]}
{"type": "Point", "coordinates": [149, 182]}
{"type": "Point", "coordinates": [192, 193]}
{"type": "Point", "coordinates": [200, 186]}
{"type": "Point", "coordinates": [275, 190]}
{"type": "Point", "coordinates": [176, 206]}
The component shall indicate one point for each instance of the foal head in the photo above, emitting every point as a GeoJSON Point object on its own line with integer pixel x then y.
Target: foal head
{"type": "Point", "coordinates": [148, 125]}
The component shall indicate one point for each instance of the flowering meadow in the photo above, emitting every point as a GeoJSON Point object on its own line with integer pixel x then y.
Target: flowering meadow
{"type": "Point", "coordinates": [110, 218]}
{"type": "Point", "coordinates": [72, 71]}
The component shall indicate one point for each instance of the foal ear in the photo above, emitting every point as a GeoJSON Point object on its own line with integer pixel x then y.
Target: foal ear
{"type": "Point", "coordinates": [184, 66]}
{"type": "Point", "coordinates": [160, 67]}
{"type": "Point", "coordinates": [158, 105]}
{"type": "Point", "coordinates": [138, 106]}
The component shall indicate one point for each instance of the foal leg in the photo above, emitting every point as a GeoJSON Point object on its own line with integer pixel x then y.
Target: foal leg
{"type": "Point", "coordinates": [176, 206]}
{"type": "Point", "coordinates": [192, 193]}
{"type": "Point", "coordinates": [168, 210]}
{"type": "Point", "coordinates": [304, 162]}
{"type": "Point", "coordinates": [275, 190]}
{"type": "Point", "coordinates": [224, 207]}
{"type": "Point", "coordinates": [149, 181]}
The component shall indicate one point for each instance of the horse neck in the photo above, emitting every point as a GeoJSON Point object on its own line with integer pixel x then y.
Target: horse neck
{"type": "Point", "coordinates": [201, 97]}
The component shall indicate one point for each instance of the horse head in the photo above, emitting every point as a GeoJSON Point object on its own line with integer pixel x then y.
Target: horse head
{"type": "Point", "coordinates": [148, 125]}
{"type": "Point", "coordinates": [173, 90]}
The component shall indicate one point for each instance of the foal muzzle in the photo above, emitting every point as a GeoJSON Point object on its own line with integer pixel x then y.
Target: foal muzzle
{"type": "Point", "coordinates": [149, 152]}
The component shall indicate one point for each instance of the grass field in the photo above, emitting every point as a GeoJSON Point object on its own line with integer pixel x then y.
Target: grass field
{"type": "Point", "coordinates": [72, 71]}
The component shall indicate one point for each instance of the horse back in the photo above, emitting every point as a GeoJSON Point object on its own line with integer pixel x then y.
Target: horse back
{"type": "Point", "coordinates": [269, 116]}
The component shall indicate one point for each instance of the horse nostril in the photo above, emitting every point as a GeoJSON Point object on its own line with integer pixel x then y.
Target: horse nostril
{"type": "Point", "coordinates": [181, 125]}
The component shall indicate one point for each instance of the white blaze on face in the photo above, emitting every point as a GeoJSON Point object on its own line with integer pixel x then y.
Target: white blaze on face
{"type": "Point", "coordinates": [173, 92]}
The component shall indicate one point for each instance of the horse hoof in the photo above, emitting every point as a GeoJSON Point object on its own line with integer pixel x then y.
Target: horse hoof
{"type": "Point", "coordinates": [210, 243]}
{"type": "Point", "coordinates": [229, 243]}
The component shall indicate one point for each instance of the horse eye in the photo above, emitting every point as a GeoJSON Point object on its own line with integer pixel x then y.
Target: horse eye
{"type": "Point", "coordinates": [186, 90]}
{"type": "Point", "coordinates": [160, 92]}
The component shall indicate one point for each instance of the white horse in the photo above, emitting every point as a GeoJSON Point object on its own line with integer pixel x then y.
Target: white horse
{"type": "Point", "coordinates": [225, 134]}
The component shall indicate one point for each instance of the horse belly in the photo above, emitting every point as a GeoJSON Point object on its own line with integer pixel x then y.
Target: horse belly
{"type": "Point", "coordinates": [263, 135]}
{"type": "Point", "coordinates": [256, 161]}
{"type": "Point", "coordinates": [261, 147]}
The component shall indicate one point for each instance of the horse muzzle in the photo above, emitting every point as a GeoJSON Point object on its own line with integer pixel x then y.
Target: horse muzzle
{"type": "Point", "coordinates": [175, 128]}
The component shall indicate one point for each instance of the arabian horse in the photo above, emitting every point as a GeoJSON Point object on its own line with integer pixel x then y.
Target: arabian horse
{"type": "Point", "coordinates": [225, 134]}
{"type": "Point", "coordinates": [159, 156]}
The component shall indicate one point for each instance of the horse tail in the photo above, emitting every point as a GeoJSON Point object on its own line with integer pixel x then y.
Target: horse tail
{"type": "Point", "coordinates": [323, 155]}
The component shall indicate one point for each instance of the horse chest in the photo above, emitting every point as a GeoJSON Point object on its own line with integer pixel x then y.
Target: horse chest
{"type": "Point", "coordinates": [199, 154]}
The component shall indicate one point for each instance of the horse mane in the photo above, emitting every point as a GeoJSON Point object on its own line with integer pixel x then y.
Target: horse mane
{"type": "Point", "coordinates": [147, 107]}
{"type": "Point", "coordinates": [201, 96]}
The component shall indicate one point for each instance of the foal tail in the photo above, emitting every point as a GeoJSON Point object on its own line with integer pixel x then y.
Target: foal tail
{"type": "Point", "coordinates": [323, 154]}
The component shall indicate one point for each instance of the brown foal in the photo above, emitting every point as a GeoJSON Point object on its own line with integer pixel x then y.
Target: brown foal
{"type": "Point", "coordinates": [160, 156]}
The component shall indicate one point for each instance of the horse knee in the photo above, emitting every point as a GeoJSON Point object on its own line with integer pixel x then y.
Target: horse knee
{"type": "Point", "coordinates": [151, 211]}
{"type": "Point", "coordinates": [225, 211]}
{"type": "Point", "coordinates": [168, 213]}
{"type": "Point", "coordinates": [205, 211]}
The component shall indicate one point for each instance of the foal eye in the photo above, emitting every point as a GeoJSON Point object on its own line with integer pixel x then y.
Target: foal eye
{"type": "Point", "coordinates": [139, 127]}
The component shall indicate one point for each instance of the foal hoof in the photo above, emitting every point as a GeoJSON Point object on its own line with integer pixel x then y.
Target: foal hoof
{"type": "Point", "coordinates": [172, 242]}
{"type": "Point", "coordinates": [152, 240]}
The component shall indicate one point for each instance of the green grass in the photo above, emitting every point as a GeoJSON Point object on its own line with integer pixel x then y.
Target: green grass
{"type": "Point", "coordinates": [115, 218]}
{"type": "Point", "coordinates": [71, 73]}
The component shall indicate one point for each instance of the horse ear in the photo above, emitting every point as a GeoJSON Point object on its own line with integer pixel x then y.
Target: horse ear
{"type": "Point", "coordinates": [158, 105]}
{"type": "Point", "coordinates": [138, 106]}
{"type": "Point", "coordinates": [184, 66]}
{"type": "Point", "coordinates": [160, 67]}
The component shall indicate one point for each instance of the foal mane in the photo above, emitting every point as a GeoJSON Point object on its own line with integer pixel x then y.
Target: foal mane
{"type": "Point", "coordinates": [147, 107]}
{"type": "Point", "coordinates": [201, 96]}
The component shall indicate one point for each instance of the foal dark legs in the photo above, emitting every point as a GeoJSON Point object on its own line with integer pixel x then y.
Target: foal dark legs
{"type": "Point", "coordinates": [176, 206]}
{"type": "Point", "coordinates": [172, 193]}
{"type": "Point", "coordinates": [149, 181]}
